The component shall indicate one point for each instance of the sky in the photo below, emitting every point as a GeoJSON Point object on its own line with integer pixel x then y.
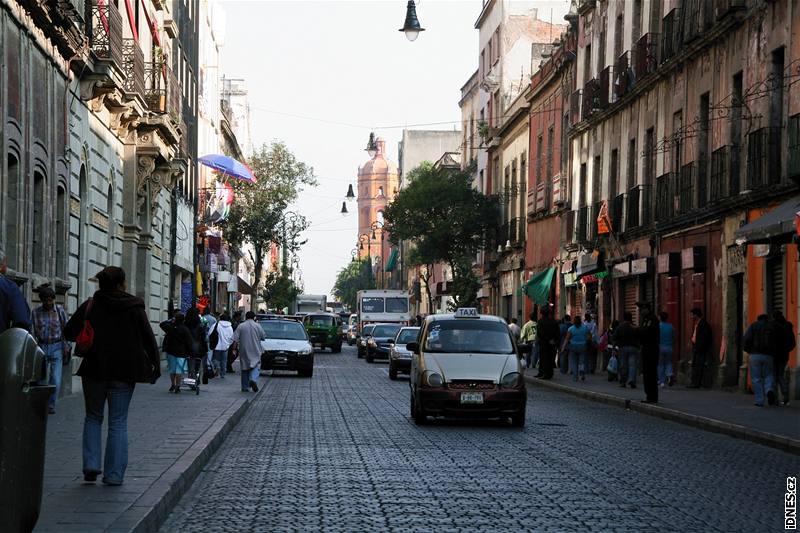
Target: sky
{"type": "Point", "coordinates": [321, 75]}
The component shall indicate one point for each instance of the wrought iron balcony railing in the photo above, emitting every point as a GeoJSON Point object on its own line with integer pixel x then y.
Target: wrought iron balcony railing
{"type": "Point", "coordinates": [646, 54]}
{"type": "Point", "coordinates": [568, 227]}
{"type": "Point", "coordinates": [719, 180]}
{"type": "Point", "coordinates": [763, 158]}
{"type": "Point", "coordinates": [632, 211]}
{"type": "Point", "coordinates": [686, 191]}
{"type": "Point", "coordinates": [591, 98]}
{"type": "Point", "coordinates": [701, 181]}
{"type": "Point", "coordinates": [624, 78]}
{"type": "Point", "coordinates": [793, 167]}
{"type": "Point", "coordinates": [617, 211]}
{"type": "Point", "coordinates": [574, 107]}
{"type": "Point", "coordinates": [665, 197]}
{"type": "Point", "coordinates": [104, 31]}
{"type": "Point", "coordinates": [133, 66]}
{"type": "Point", "coordinates": [581, 224]}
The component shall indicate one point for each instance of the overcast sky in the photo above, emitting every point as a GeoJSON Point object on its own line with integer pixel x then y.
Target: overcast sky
{"type": "Point", "coordinates": [344, 67]}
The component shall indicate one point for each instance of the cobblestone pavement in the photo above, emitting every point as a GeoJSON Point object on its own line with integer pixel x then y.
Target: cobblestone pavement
{"type": "Point", "coordinates": [338, 452]}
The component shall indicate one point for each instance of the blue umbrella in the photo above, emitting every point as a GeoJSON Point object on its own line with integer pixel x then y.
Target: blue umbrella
{"type": "Point", "coordinates": [228, 166]}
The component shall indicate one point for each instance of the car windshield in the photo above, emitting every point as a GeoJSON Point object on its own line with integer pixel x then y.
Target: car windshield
{"type": "Point", "coordinates": [397, 305]}
{"type": "Point", "coordinates": [280, 329]}
{"type": "Point", "coordinates": [385, 331]}
{"type": "Point", "coordinates": [368, 330]}
{"type": "Point", "coordinates": [408, 335]}
{"type": "Point", "coordinates": [319, 320]}
{"type": "Point", "coordinates": [372, 305]}
{"type": "Point", "coordinates": [353, 320]}
{"type": "Point", "coordinates": [468, 336]}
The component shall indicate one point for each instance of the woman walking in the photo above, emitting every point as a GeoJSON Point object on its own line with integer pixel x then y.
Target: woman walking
{"type": "Point", "coordinates": [221, 339]}
{"type": "Point", "coordinates": [123, 352]}
{"type": "Point", "coordinates": [199, 346]}
{"type": "Point", "coordinates": [576, 339]}
{"type": "Point", "coordinates": [177, 346]}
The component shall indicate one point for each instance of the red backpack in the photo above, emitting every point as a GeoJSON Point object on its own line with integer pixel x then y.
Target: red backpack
{"type": "Point", "coordinates": [85, 339]}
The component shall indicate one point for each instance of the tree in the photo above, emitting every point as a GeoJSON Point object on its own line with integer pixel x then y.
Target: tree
{"type": "Point", "coordinates": [280, 289]}
{"type": "Point", "coordinates": [257, 216]}
{"type": "Point", "coordinates": [355, 276]}
{"type": "Point", "coordinates": [447, 220]}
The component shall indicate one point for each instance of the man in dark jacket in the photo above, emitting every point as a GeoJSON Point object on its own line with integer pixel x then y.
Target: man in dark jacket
{"type": "Point", "coordinates": [548, 336]}
{"type": "Point", "coordinates": [649, 335]}
{"type": "Point", "coordinates": [701, 347]}
{"type": "Point", "coordinates": [123, 352]}
{"type": "Point", "coordinates": [177, 346]}
{"type": "Point", "coordinates": [786, 343]}
{"type": "Point", "coordinates": [626, 338]}
{"type": "Point", "coordinates": [761, 341]}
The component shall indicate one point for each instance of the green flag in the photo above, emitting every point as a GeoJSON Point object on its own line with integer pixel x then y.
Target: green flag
{"type": "Point", "coordinates": [538, 287]}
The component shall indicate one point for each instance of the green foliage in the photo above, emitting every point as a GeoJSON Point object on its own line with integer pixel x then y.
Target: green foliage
{"type": "Point", "coordinates": [279, 289]}
{"type": "Point", "coordinates": [257, 215]}
{"type": "Point", "coordinates": [447, 220]}
{"type": "Point", "coordinates": [356, 276]}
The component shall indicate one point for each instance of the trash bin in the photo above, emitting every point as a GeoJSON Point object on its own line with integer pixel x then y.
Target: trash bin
{"type": "Point", "coordinates": [23, 423]}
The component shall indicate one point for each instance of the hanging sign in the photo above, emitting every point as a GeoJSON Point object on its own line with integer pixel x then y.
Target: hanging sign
{"type": "Point", "coordinates": [603, 220]}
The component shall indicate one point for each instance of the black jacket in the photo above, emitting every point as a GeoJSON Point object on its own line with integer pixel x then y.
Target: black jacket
{"type": "Point", "coordinates": [626, 335]}
{"type": "Point", "coordinates": [650, 334]}
{"type": "Point", "coordinates": [787, 341]}
{"type": "Point", "coordinates": [178, 339]}
{"type": "Point", "coordinates": [124, 347]}
{"type": "Point", "coordinates": [548, 333]}
{"type": "Point", "coordinates": [199, 343]}
{"type": "Point", "coordinates": [702, 344]}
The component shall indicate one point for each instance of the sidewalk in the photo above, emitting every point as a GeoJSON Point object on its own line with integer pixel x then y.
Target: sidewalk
{"type": "Point", "coordinates": [171, 438]}
{"type": "Point", "coordinates": [731, 413]}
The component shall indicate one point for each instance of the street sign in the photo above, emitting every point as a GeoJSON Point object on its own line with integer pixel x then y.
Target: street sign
{"type": "Point", "coordinates": [466, 312]}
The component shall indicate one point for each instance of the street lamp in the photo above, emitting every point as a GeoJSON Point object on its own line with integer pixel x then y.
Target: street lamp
{"type": "Point", "coordinates": [371, 148]}
{"type": "Point", "coordinates": [379, 226]}
{"type": "Point", "coordinates": [350, 196]}
{"type": "Point", "coordinates": [411, 27]}
{"type": "Point", "coordinates": [293, 219]}
{"type": "Point", "coordinates": [344, 209]}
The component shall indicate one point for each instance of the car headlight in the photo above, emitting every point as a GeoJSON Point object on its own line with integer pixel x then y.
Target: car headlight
{"type": "Point", "coordinates": [306, 351]}
{"type": "Point", "coordinates": [371, 342]}
{"type": "Point", "coordinates": [510, 380]}
{"type": "Point", "coordinates": [433, 379]}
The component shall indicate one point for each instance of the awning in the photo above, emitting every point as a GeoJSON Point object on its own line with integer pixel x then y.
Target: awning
{"type": "Point", "coordinates": [591, 263]}
{"type": "Point", "coordinates": [777, 226]}
{"type": "Point", "coordinates": [243, 286]}
{"type": "Point", "coordinates": [392, 261]}
{"type": "Point", "coordinates": [538, 287]}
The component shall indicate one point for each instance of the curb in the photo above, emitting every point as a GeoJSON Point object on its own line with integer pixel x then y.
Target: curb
{"type": "Point", "coordinates": [709, 424]}
{"type": "Point", "coordinates": [152, 508]}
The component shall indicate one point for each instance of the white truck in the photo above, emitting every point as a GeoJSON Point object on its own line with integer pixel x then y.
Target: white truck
{"type": "Point", "coordinates": [383, 306]}
{"type": "Point", "coordinates": [310, 303]}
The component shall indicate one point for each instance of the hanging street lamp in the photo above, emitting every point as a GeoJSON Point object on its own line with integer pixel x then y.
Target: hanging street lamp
{"type": "Point", "coordinates": [371, 148]}
{"type": "Point", "coordinates": [411, 27]}
{"type": "Point", "coordinates": [350, 196]}
{"type": "Point", "coordinates": [344, 209]}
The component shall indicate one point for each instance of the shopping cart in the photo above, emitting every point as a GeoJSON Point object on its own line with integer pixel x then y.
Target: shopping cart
{"type": "Point", "coordinates": [194, 378]}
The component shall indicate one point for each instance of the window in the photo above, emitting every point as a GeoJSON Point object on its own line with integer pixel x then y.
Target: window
{"type": "Point", "coordinates": [613, 179]}
{"type": "Point", "coordinates": [539, 154]}
{"type": "Point", "coordinates": [677, 138]}
{"type": "Point", "coordinates": [523, 183]}
{"type": "Point", "coordinates": [469, 336]}
{"type": "Point", "coordinates": [372, 305]}
{"type": "Point", "coordinates": [632, 178]}
{"type": "Point", "coordinates": [388, 331]}
{"type": "Point", "coordinates": [587, 63]}
{"type": "Point", "coordinates": [597, 180]}
{"type": "Point", "coordinates": [12, 212]}
{"type": "Point", "coordinates": [397, 305]}
{"type": "Point", "coordinates": [636, 29]}
{"type": "Point", "coordinates": [582, 186]}
{"type": "Point", "coordinates": [736, 133]}
{"type": "Point", "coordinates": [776, 115]}
{"type": "Point", "coordinates": [39, 222]}
{"type": "Point", "coordinates": [619, 37]}
{"type": "Point", "coordinates": [111, 225]}
{"type": "Point", "coordinates": [702, 151]}
{"type": "Point", "coordinates": [551, 135]}
{"type": "Point", "coordinates": [283, 329]}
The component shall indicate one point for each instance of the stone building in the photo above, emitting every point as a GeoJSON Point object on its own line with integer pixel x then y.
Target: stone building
{"type": "Point", "coordinates": [684, 126]}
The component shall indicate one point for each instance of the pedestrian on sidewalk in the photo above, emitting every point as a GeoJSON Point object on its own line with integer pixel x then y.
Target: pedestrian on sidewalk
{"type": "Point", "coordinates": [221, 340]}
{"type": "Point", "coordinates": [235, 321]}
{"type": "Point", "coordinates": [177, 346]}
{"type": "Point", "coordinates": [608, 349]}
{"type": "Point", "coordinates": [197, 331]}
{"type": "Point", "coordinates": [701, 347]}
{"type": "Point", "coordinates": [591, 346]}
{"type": "Point", "coordinates": [786, 343]}
{"type": "Point", "coordinates": [576, 341]}
{"type": "Point", "coordinates": [761, 341]}
{"type": "Point", "coordinates": [666, 341]}
{"type": "Point", "coordinates": [527, 342]}
{"type": "Point", "coordinates": [248, 337]}
{"type": "Point", "coordinates": [513, 327]}
{"type": "Point", "coordinates": [49, 320]}
{"type": "Point", "coordinates": [563, 356]}
{"type": "Point", "coordinates": [626, 337]}
{"type": "Point", "coordinates": [209, 322]}
{"type": "Point", "coordinates": [649, 335]}
{"type": "Point", "coordinates": [123, 352]}
{"type": "Point", "coordinates": [14, 310]}
{"type": "Point", "coordinates": [547, 336]}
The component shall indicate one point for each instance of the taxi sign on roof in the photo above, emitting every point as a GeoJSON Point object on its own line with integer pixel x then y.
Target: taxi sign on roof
{"type": "Point", "coordinates": [466, 312]}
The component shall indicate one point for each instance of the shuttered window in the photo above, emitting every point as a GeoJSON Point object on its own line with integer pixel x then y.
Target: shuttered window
{"type": "Point", "coordinates": [775, 287]}
{"type": "Point", "coordinates": [629, 298]}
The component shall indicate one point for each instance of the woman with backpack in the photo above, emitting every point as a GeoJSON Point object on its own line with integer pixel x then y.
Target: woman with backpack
{"type": "Point", "coordinates": [177, 346]}
{"type": "Point", "coordinates": [119, 349]}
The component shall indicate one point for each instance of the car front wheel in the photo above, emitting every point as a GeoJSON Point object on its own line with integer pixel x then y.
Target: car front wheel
{"type": "Point", "coordinates": [392, 372]}
{"type": "Point", "coordinates": [518, 420]}
{"type": "Point", "coordinates": [419, 416]}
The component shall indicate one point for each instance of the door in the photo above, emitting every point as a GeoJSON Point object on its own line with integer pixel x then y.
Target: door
{"type": "Point", "coordinates": [671, 304]}
{"type": "Point", "coordinates": [738, 282]}
{"type": "Point", "coordinates": [629, 298]}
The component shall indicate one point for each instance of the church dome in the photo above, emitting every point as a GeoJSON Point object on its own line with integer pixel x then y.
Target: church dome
{"type": "Point", "coordinates": [378, 164]}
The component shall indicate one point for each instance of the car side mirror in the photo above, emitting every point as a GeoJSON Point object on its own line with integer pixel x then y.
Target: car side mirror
{"type": "Point", "coordinates": [412, 347]}
{"type": "Point", "coordinates": [390, 341]}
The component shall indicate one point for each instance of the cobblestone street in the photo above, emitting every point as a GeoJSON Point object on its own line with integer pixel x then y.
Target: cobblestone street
{"type": "Point", "coordinates": [338, 452]}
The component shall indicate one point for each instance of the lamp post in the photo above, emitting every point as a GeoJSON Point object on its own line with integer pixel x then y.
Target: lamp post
{"type": "Point", "coordinates": [411, 27]}
{"type": "Point", "coordinates": [293, 219]}
{"type": "Point", "coordinates": [378, 225]}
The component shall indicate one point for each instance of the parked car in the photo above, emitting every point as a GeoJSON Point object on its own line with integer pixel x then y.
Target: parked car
{"type": "Point", "coordinates": [287, 347]}
{"type": "Point", "coordinates": [399, 356]}
{"type": "Point", "coordinates": [366, 332]}
{"type": "Point", "coordinates": [324, 329]}
{"type": "Point", "coordinates": [380, 341]}
{"type": "Point", "coordinates": [352, 329]}
{"type": "Point", "coordinates": [466, 365]}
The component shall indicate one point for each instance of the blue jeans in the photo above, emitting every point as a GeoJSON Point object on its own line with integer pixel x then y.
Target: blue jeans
{"type": "Point", "coordinates": [628, 361]}
{"type": "Point", "coordinates": [118, 395]}
{"type": "Point", "coordinates": [577, 361]}
{"type": "Point", "coordinates": [664, 365]}
{"type": "Point", "coordinates": [762, 375]}
{"type": "Point", "coordinates": [53, 354]}
{"type": "Point", "coordinates": [220, 361]}
{"type": "Point", "coordinates": [248, 376]}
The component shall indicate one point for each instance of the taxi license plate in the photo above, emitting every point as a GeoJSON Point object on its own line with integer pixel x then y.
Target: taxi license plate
{"type": "Point", "coordinates": [471, 397]}
{"type": "Point", "coordinates": [317, 345]}
{"type": "Point", "coordinates": [280, 359]}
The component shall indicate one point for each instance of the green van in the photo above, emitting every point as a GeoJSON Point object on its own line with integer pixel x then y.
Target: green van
{"type": "Point", "coordinates": [324, 330]}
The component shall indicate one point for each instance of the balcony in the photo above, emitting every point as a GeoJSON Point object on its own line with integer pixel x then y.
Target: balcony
{"type": "Point", "coordinates": [702, 181]}
{"type": "Point", "coordinates": [686, 188]}
{"type": "Point", "coordinates": [568, 227]}
{"type": "Point", "coordinates": [665, 197]}
{"type": "Point", "coordinates": [646, 55]}
{"type": "Point", "coordinates": [623, 75]}
{"type": "Point", "coordinates": [581, 225]}
{"type": "Point", "coordinates": [104, 32]}
{"type": "Point", "coordinates": [543, 196]}
{"type": "Point", "coordinates": [605, 80]}
{"type": "Point", "coordinates": [133, 67]}
{"type": "Point", "coordinates": [719, 180]}
{"type": "Point", "coordinates": [162, 92]}
{"type": "Point", "coordinates": [593, 216]}
{"type": "Point", "coordinates": [724, 8]}
{"type": "Point", "coordinates": [671, 35]}
{"type": "Point", "coordinates": [632, 211]}
{"type": "Point", "coordinates": [591, 98]}
{"type": "Point", "coordinates": [617, 212]}
{"type": "Point", "coordinates": [574, 107]}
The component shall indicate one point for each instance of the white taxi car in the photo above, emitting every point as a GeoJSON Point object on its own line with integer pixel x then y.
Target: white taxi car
{"type": "Point", "coordinates": [466, 365]}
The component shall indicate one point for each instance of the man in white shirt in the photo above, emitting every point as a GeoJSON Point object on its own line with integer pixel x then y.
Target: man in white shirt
{"type": "Point", "coordinates": [248, 337]}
